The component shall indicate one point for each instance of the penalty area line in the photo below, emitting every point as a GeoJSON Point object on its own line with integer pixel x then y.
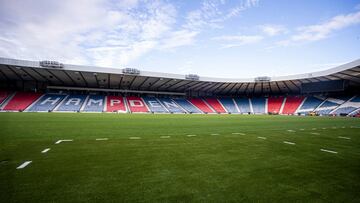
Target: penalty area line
{"type": "Point", "coordinates": [329, 151]}
{"type": "Point", "coordinates": [23, 165]}
{"type": "Point", "coordinates": [101, 139]}
{"type": "Point", "coordinates": [264, 138]}
{"type": "Point", "coordinates": [45, 150]}
{"type": "Point", "coordinates": [134, 138]}
{"type": "Point", "coordinates": [291, 143]}
{"type": "Point", "coordinates": [191, 135]}
{"type": "Point", "coordinates": [346, 138]}
{"type": "Point", "coordinates": [60, 141]}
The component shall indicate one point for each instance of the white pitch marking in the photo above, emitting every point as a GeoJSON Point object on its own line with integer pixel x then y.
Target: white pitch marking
{"type": "Point", "coordinates": [134, 138]}
{"type": "Point", "coordinates": [101, 139]}
{"type": "Point", "coordinates": [325, 150]}
{"type": "Point", "coordinates": [292, 131]}
{"type": "Point", "coordinates": [314, 129]}
{"type": "Point", "coordinates": [264, 138]}
{"type": "Point", "coordinates": [347, 138]}
{"type": "Point", "coordinates": [323, 128]}
{"type": "Point", "coordinates": [23, 165]}
{"type": "Point", "coordinates": [191, 135]}
{"type": "Point", "coordinates": [60, 141]}
{"type": "Point", "coordinates": [214, 134]}
{"type": "Point", "coordinates": [238, 133]}
{"type": "Point", "coordinates": [315, 133]}
{"type": "Point", "coordinates": [165, 137]}
{"type": "Point", "coordinates": [343, 127]}
{"type": "Point", "coordinates": [45, 150]}
{"type": "Point", "coordinates": [286, 142]}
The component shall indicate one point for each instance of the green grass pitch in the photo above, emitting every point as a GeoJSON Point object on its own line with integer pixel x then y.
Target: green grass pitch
{"type": "Point", "coordinates": [224, 167]}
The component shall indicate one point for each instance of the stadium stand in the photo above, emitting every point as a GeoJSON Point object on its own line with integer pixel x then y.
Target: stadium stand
{"type": "Point", "coordinates": [136, 104]}
{"type": "Point", "coordinates": [72, 103]}
{"type": "Point", "coordinates": [292, 103]}
{"type": "Point", "coordinates": [185, 104]}
{"type": "Point", "coordinates": [274, 104]}
{"type": "Point", "coordinates": [229, 105]}
{"type": "Point", "coordinates": [216, 105]}
{"type": "Point", "coordinates": [258, 105]}
{"type": "Point", "coordinates": [310, 104]}
{"type": "Point", "coordinates": [348, 107]}
{"type": "Point", "coordinates": [3, 96]}
{"type": "Point", "coordinates": [171, 105]}
{"type": "Point", "coordinates": [330, 104]}
{"type": "Point", "coordinates": [243, 104]}
{"type": "Point", "coordinates": [21, 101]}
{"type": "Point", "coordinates": [115, 104]}
{"type": "Point", "coordinates": [94, 103]}
{"type": "Point", "coordinates": [200, 104]}
{"type": "Point", "coordinates": [46, 103]}
{"type": "Point", "coordinates": [154, 105]}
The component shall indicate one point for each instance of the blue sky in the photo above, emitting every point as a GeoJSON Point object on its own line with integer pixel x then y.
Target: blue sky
{"type": "Point", "coordinates": [218, 38]}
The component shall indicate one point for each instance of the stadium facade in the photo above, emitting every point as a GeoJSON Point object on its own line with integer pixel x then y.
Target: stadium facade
{"type": "Point", "coordinates": [46, 86]}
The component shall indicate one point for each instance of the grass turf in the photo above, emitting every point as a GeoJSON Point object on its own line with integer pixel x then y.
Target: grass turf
{"type": "Point", "coordinates": [205, 168]}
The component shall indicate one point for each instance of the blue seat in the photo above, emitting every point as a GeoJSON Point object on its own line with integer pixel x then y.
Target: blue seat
{"type": "Point", "coordinates": [185, 104]}
{"type": "Point", "coordinates": [171, 105]}
{"type": "Point", "coordinates": [47, 102]}
{"type": "Point", "coordinates": [154, 105]}
{"type": "Point", "coordinates": [258, 105]}
{"type": "Point", "coordinates": [310, 104]}
{"type": "Point", "coordinates": [72, 103]}
{"type": "Point", "coordinates": [95, 103]}
{"type": "Point", "coordinates": [243, 104]}
{"type": "Point", "coordinates": [229, 105]}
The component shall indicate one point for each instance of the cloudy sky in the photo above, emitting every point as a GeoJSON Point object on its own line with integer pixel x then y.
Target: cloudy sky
{"type": "Point", "coordinates": [219, 38]}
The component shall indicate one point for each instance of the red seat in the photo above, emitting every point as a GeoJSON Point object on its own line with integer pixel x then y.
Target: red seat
{"type": "Point", "coordinates": [21, 101]}
{"type": "Point", "coordinates": [215, 104]}
{"type": "Point", "coordinates": [115, 104]}
{"type": "Point", "coordinates": [200, 104]}
{"type": "Point", "coordinates": [136, 104]}
{"type": "Point", "coordinates": [3, 96]}
{"type": "Point", "coordinates": [292, 104]}
{"type": "Point", "coordinates": [274, 104]}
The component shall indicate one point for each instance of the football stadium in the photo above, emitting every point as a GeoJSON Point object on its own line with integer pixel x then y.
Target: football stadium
{"type": "Point", "coordinates": [73, 132]}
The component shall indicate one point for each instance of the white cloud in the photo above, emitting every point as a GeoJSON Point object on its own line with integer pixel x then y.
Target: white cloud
{"type": "Point", "coordinates": [102, 32]}
{"type": "Point", "coordinates": [230, 41]}
{"type": "Point", "coordinates": [273, 30]}
{"type": "Point", "coordinates": [322, 30]}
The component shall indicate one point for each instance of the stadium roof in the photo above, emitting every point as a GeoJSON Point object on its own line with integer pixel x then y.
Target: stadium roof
{"type": "Point", "coordinates": [65, 76]}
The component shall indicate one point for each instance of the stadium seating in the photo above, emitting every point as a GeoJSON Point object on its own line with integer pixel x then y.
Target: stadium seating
{"type": "Point", "coordinates": [229, 105]}
{"type": "Point", "coordinates": [330, 104]}
{"type": "Point", "coordinates": [258, 105]}
{"type": "Point", "coordinates": [3, 96]}
{"type": "Point", "coordinates": [171, 105]}
{"type": "Point", "coordinates": [115, 104]}
{"type": "Point", "coordinates": [21, 101]}
{"type": "Point", "coordinates": [154, 105]}
{"type": "Point", "coordinates": [94, 103]}
{"type": "Point", "coordinates": [136, 104]}
{"type": "Point", "coordinates": [348, 107]}
{"type": "Point", "coordinates": [47, 103]}
{"type": "Point", "coordinates": [216, 105]}
{"type": "Point", "coordinates": [72, 103]}
{"type": "Point", "coordinates": [185, 104]}
{"type": "Point", "coordinates": [309, 105]}
{"type": "Point", "coordinates": [200, 104]}
{"type": "Point", "coordinates": [292, 103]}
{"type": "Point", "coordinates": [274, 104]}
{"type": "Point", "coordinates": [243, 104]}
